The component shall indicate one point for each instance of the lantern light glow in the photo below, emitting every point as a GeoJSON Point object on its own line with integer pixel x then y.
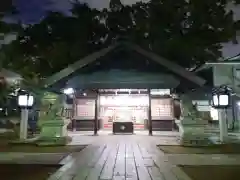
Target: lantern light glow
{"type": "Point", "coordinates": [221, 97]}
{"type": "Point", "coordinates": [25, 100]}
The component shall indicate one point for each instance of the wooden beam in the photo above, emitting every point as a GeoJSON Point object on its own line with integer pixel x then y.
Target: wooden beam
{"type": "Point", "coordinates": [149, 113]}
{"type": "Point", "coordinates": [237, 62]}
{"type": "Point", "coordinates": [78, 65]}
{"type": "Point", "coordinates": [96, 115]}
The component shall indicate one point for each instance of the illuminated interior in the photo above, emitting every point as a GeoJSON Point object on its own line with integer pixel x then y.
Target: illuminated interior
{"type": "Point", "coordinates": [126, 105]}
{"type": "Point", "coordinates": [124, 108]}
{"type": "Point", "coordinates": [124, 100]}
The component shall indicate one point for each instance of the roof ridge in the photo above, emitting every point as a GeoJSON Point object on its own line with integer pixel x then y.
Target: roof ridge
{"type": "Point", "coordinates": [233, 58]}
{"type": "Point", "coordinates": [172, 66]}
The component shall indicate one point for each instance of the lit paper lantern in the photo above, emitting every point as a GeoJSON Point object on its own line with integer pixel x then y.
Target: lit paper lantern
{"type": "Point", "coordinates": [221, 97]}
{"type": "Point", "coordinates": [25, 100]}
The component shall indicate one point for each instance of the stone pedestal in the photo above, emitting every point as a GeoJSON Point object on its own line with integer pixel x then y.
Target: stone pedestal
{"type": "Point", "coordinates": [53, 132]}
{"type": "Point", "coordinates": [24, 125]}
{"type": "Point", "coordinates": [223, 126]}
{"type": "Point", "coordinates": [192, 132]}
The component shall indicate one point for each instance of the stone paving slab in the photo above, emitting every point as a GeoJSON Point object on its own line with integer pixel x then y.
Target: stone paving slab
{"type": "Point", "coordinates": [158, 138]}
{"type": "Point", "coordinates": [120, 157]}
{"type": "Point", "coordinates": [128, 157]}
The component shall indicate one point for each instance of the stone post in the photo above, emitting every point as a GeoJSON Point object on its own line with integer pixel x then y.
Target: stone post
{"type": "Point", "coordinates": [24, 124]}
{"type": "Point", "coordinates": [223, 125]}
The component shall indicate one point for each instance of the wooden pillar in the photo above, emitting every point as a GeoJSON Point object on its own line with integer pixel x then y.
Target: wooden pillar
{"type": "Point", "coordinates": [149, 113]}
{"type": "Point", "coordinates": [96, 115]}
{"type": "Point", "coordinates": [74, 113]}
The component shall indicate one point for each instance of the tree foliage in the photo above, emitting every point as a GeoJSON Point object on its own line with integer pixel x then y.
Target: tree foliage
{"type": "Point", "coordinates": [6, 7]}
{"type": "Point", "coordinates": [186, 32]}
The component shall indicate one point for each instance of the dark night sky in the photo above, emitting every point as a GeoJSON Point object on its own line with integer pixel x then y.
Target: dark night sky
{"type": "Point", "coordinates": [31, 11]}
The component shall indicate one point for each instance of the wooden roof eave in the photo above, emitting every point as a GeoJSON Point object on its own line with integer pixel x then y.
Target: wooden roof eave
{"type": "Point", "coordinates": [150, 55]}
{"type": "Point", "coordinates": [78, 65]}
{"type": "Point", "coordinates": [235, 60]}
{"type": "Point", "coordinates": [208, 65]}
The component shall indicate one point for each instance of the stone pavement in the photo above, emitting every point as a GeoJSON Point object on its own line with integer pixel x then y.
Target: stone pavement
{"type": "Point", "coordinates": [118, 157]}
{"type": "Point", "coordinates": [163, 138]}
{"type": "Point", "coordinates": [132, 157]}
{"type": "Point", "coordinates": [127, 157]}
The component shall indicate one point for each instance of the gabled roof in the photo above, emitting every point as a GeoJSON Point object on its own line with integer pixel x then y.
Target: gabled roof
{"type": "Point", "coordinates": [175, 68]}
{"type": "Point", "coordinates": [235, 60]}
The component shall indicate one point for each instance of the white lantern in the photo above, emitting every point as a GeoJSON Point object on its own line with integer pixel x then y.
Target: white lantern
{"type": "Point", "coordinates": [221, 97]}
{"type": "Point", "coordinates": [25, 100]}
